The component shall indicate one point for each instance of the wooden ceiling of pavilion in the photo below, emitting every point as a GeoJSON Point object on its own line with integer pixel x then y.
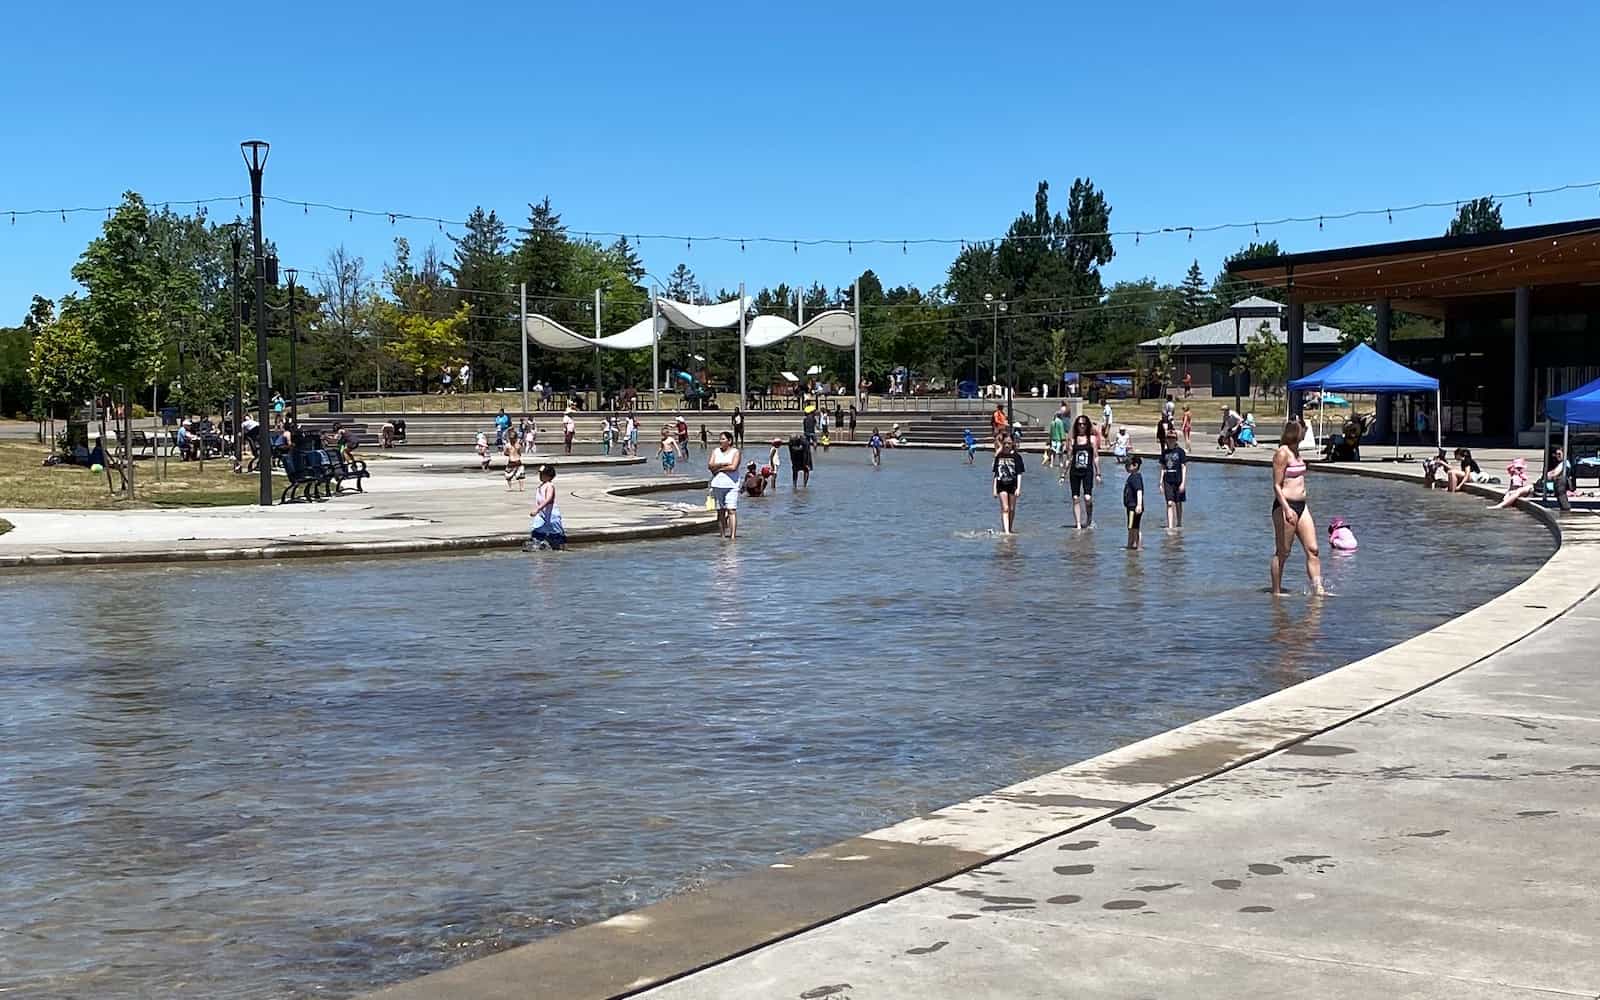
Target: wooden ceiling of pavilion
{"type": "Point", "coordinates": [1419, 275]}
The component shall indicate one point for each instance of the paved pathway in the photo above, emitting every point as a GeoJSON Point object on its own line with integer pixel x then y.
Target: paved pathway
{"type": "Point", "coordinates": [1442, 846]}
{"type": "Point", "coordinates": [405, 509]}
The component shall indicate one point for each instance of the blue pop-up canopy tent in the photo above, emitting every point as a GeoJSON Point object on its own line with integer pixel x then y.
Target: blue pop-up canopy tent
{"type": "Point", "coordinates": [1365, 370]}
{"type": "Point", "coordinates": [1580, 406]}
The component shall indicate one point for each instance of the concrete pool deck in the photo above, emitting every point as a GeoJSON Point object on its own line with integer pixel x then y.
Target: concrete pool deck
{"type": "Point", "coordinates": [406, 509]}
{"type": "Point", "coordinates": [1420, 822]}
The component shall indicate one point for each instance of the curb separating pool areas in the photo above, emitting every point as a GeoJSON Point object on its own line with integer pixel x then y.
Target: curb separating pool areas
{"type": "Point", "coordinates": [683, 522]}
{"type": "Point", "coordinates": [683, 934]}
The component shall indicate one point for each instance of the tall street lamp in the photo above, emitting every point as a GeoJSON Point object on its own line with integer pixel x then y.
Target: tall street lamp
{"type": "Point", "coordinates": [995, 309]}
{"type": "Point", "coordinates": [294, 334]}
{"type": "Point", "coordinates": [1242, 311]}
{"type": "Point", "coordinates": [255, 153]}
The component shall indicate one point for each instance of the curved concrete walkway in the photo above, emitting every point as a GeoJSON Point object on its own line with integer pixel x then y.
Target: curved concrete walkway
{"type": "Point", "coordinates": [404, 510]}
{"type": "Point", "coordinates": [1418, 823]}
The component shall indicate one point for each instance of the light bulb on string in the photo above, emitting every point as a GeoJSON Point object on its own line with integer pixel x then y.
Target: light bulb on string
{"type": "Point", "coordinates": [741, 246]}
{"type": "Point", "coordinates": [903, 250]}
{"type": "Point", "coordinates": [352, 217]}
{"type": "Point", "coordinates": [391, 218]}
{"type": "Point", "coordinates": [849, 247]}
{"type": "Point", "coordinates": [305, 209]}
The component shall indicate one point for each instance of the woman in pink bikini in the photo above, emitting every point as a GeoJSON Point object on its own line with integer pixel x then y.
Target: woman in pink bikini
{"type": "Point", "coordinates": [1291, 518]}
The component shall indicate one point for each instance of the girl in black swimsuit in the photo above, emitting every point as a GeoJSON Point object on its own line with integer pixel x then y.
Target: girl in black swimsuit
{"type": "Point", "coordinates": [1083, 464]}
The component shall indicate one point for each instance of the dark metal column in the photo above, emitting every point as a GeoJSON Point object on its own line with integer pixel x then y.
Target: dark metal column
{"type": "Point", "coordinates": [1521, 396]}
{"type": "Point", "coordinates": [1297, 350]}
{"type": "Point", "coordinates": [1380, 343]}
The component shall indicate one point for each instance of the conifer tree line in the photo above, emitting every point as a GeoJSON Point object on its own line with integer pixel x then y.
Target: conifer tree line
{"type": "Point", "coordinates": [156, 309]}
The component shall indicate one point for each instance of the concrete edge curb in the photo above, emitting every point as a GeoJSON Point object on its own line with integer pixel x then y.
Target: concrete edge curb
{"type": "Point", "coordinates": [684, 934]}
{"type": "Point", "coordinates": [683, 523]}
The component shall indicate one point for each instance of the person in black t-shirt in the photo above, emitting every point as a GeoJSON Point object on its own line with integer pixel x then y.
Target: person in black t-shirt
{"type": "Point", "coordinates": [1133, 501]}
{"type": "Point", "coordinates": [1174, 480]}
{"type": "Point", "coordinates": [1007, 472]}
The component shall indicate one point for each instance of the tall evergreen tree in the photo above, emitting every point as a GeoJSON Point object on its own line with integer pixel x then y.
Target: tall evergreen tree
{"type": "Point", "coordinates": [1196, 298]}
{"type": "Point", "coordinates": [626, 259]}
{"type": "Point", "coordinates": [541, 256]}
{"type": "Point", "coordinates": [481, 272]}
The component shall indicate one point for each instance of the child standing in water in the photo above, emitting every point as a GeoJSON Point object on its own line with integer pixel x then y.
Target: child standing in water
{"type": "Point", "coordinates": [704, 439]}
{"type": "Point", "coordinates": [1133, 502]}
{"type": "Point", "coordinates": [1174, 479]}
{"type": "Point", "coordinates": [1186, 426]}
{"type": "Point", "coordinates": [970, 443]}
{"type": "Point", "coordinates": [1007, 471]}
{"type": "Point", "coordinates": [668, 450]}
{"type": "Point", "coordinates": [775, 461]}
{"type": "Point", "coordinates": [875, 442]}
{"type": "Point", "coordinates": [1119, 447]}
{"type": "Point", "coordinates": [608, 431]}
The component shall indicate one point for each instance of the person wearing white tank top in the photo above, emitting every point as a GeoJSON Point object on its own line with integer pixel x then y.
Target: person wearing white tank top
{"type": "Point", "coordinates": [724, 465]}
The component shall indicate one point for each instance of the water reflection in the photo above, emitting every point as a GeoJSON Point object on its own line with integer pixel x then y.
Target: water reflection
{"type": "Point", "coordinates": [268, 780]}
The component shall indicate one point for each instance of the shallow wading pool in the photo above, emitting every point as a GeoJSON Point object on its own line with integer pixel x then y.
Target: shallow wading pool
{"type": "Point", "coordinates": [315, 777]}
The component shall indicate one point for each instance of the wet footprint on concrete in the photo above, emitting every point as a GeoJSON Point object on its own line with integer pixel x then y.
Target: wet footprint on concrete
{"type": "Point", "coordinates": [1074, 869]}
{"type": "Point", "coordinates": [1064, 900]}
{"type": "Point", "coordinates": [962, 916]}
{"type": "Point", "coordinates": [1122, 904]}
{"type": "Point", "coordinates": [1532, 813]}
{"type": "Point", "coordinates": [1227, 883]}
{"type": "Point", "coordinates": [1004, 909]}
{"type": "Point", "coordinates": [1156, 888]}
{"type": "Point", "coordinates": [929, 950]}
{"type": "Point", "coordinates": [1079, 845]}
{"type": "Point", "coordinates": [1256, 909]}
{"type": "Point", "coordinates": [1260, 869]}
{"type": "Point", "coordinates": [1129, 823]}
{"type": "Point", "coordinates": [1306, 859]}
{"type": "Point", "coordinates": [1429, 833]}
{"type": "Point", "coordinates": [825, 991]}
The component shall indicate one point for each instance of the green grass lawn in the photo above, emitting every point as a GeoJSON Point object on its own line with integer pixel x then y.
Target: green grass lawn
{"type": "Point", "coordinates": [26, 483]}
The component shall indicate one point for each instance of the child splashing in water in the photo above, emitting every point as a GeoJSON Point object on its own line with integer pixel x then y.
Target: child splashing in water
{"type": "Point", "coordinates": [875, 442]}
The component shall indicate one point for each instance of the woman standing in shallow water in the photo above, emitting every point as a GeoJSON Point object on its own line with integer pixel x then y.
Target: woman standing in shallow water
{"type": "Point", "coordinates": [1291, 517]}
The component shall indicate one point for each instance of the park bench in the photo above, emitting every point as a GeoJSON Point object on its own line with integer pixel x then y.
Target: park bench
{"type": "Point", "coordinates": [307, 479]}
{"type": "Point", "coordinates": [341, 470]}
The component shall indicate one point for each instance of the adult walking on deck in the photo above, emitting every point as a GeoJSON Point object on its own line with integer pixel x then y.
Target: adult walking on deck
{"type": "Point", "coordinates": [1291, 514]}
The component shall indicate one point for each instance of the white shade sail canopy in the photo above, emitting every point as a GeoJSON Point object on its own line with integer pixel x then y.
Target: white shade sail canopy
{"type": "Point", "coordinates": [687, 316]}
{"type": "Point", "coordinates": [836, 328]}
{"type": "Point", "coordinates": [546, 332]}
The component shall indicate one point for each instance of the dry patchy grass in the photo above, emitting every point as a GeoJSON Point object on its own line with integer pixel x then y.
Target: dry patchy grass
{"type": "Point", "coordinates": [26, 483]}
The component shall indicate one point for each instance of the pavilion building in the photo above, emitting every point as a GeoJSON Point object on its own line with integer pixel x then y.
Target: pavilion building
{"type": "Point", "coordinates": [1519, 312]}
{"type": "Point", "coordinates": [1210, 352]}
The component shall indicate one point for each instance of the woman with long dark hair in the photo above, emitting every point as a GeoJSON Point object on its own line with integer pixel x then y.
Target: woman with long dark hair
{"type": "Point", "coordinates": [1083, 470]}
{"type": "Point", "coordinates": [1291, 515]}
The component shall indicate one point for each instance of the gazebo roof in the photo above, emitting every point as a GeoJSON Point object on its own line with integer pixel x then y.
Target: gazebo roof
{"type": "Point", "coordinates": [1221, 332]}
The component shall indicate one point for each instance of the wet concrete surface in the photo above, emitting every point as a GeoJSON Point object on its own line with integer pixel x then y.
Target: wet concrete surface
{"type": "Point", "coordinates": [1439, 847]}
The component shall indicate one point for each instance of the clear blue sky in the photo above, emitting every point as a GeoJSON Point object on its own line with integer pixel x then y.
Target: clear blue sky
{"type": "Point", "coordinates": [894, 119]}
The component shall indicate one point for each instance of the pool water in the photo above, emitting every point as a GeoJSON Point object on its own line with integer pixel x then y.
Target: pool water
{"type": "Point", "coordinates": [315, 777]}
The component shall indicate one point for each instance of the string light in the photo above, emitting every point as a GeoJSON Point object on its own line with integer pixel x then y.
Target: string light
{"type": "Point", "coordinates": [1321, 220]}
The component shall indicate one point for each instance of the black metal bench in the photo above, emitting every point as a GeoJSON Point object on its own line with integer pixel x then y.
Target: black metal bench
{"type": "Point", "coordinates": [307, 480]}
{"type": "Point", "coordinates": [342, 470]}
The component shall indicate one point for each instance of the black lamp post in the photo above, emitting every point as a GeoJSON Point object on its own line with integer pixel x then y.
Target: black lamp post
{"type": "Point", "coordinates": [294, 334]}
{"type": "Point", "coordinates": [1241, 311]}
{"type": "Point", "coordinates": [255, 152]}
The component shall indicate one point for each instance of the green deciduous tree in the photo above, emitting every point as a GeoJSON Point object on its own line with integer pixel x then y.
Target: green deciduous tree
{"type": "Point", "coordinates": [422, 342]}
{"type": "Point", "coordinates": [63, 363]}
{"type": "Point", "coordinates": [1356, 325]}
{"type": "Point", "coordinates": [1480, 215]}
{"type": "Point", "coordinates": [1267, 361]}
